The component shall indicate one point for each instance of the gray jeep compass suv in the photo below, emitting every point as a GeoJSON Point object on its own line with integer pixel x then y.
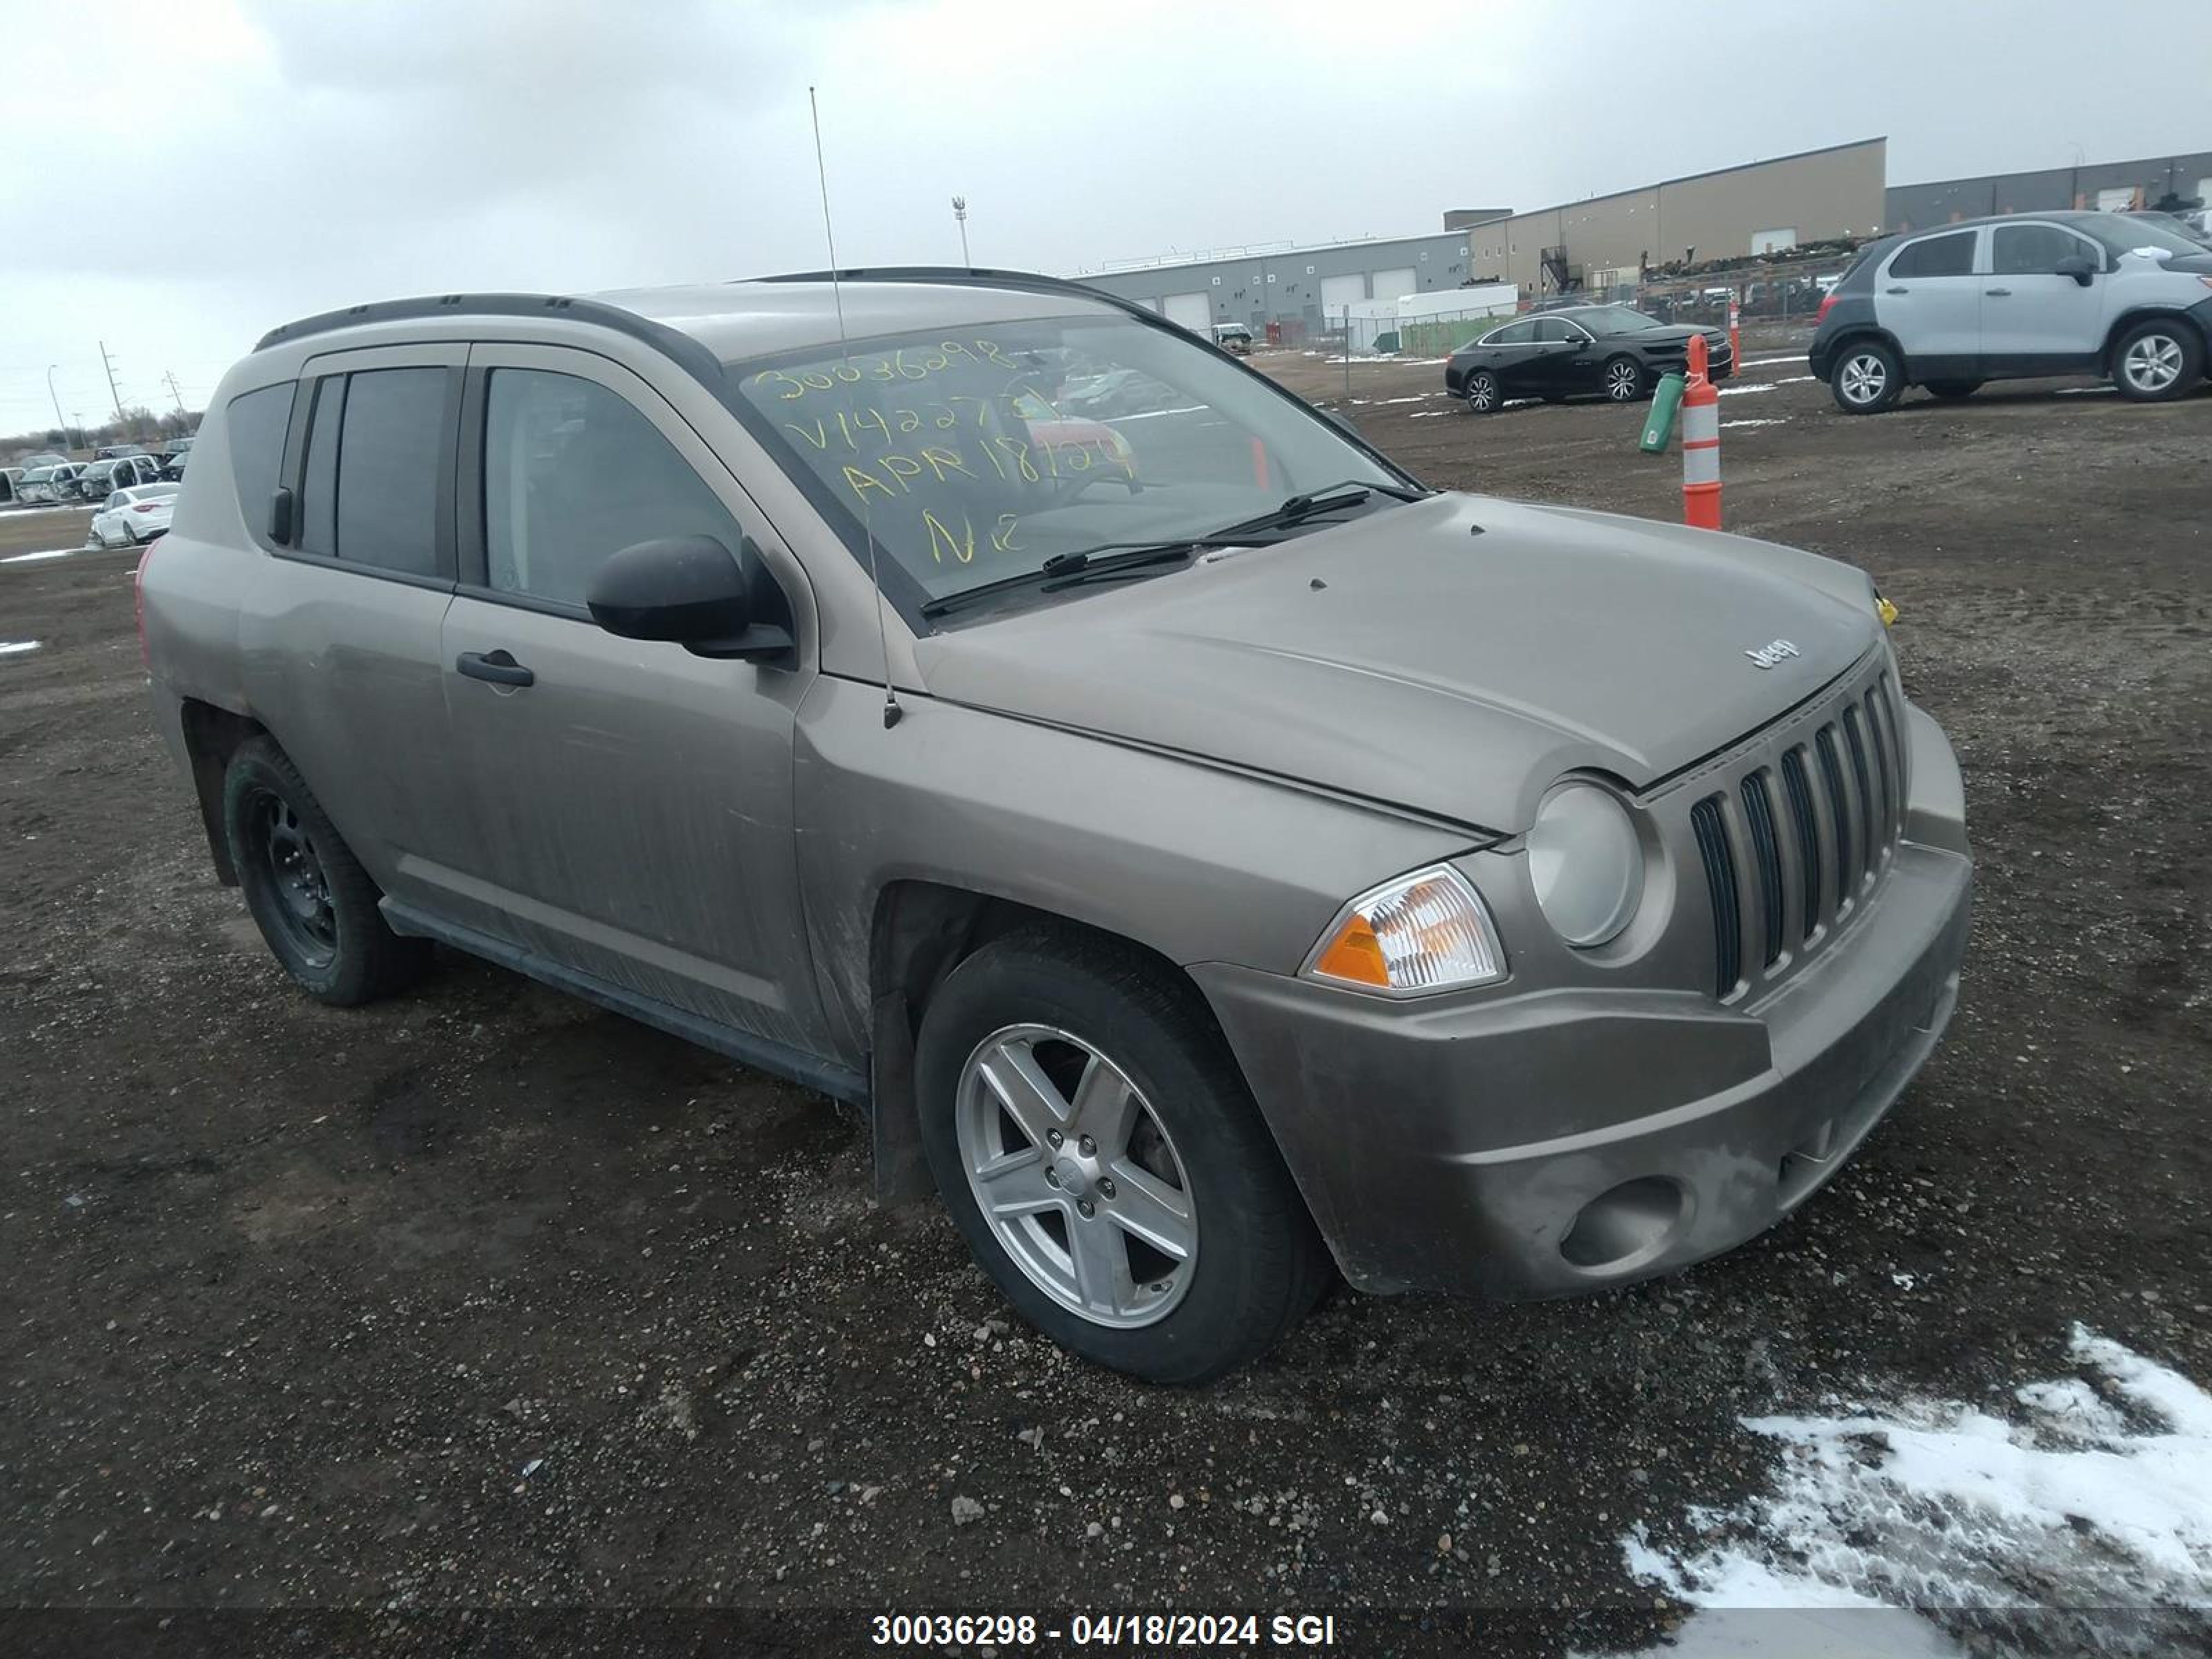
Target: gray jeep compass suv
{"type": "Point", "coordinates": [1212, 859]}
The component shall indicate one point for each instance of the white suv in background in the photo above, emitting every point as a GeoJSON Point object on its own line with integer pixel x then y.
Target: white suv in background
{"type": "Point", "coordinates": [2019, 295]}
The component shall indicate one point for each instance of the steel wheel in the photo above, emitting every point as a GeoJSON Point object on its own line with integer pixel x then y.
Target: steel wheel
{"type": "Point", "coordinates": [1075, 1175]}
{"type": "Point", "coordinates": [1623, 381]}
{"type": "Point", "coordinates": [2153, 363]}
{"type": "Point", "coordinates": [295, 876]}
{"type": "Point", "coordinates": [1864, 378]}
{"type": "Point", "coordinates": [1482, 391]}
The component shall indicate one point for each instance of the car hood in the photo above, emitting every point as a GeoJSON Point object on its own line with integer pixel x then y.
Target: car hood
{"type": "Point", "coordinates": [1454, 656]}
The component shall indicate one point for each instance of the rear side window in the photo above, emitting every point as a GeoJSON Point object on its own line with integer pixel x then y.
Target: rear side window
{"type": "Point", "coordinates": [2032, 250]}
{"type": "Point", "coordinates": [1513, 334]}
{"type": "Point", "coordinates": [389, 435]}
{"type": "Point", "coordinates": [255, 421]}
{"type": "Point", "coordinates": [1937, 256]}
{"type": "Point", "coordinates": [574, 473]}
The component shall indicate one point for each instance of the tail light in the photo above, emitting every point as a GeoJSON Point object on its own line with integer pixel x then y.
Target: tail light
{"type": "Point", "coordinates": [145, 506]}
{"type": "Point", "coordinates": [1827, 304]}
{"type": "Point", "coordinates": [138, 604]}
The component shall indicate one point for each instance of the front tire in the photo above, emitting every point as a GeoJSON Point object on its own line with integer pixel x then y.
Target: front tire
{"type": "Point", "coordinates": [1867, 379]}
{"type": "Point", "coordinates": [1483, 392]}
{"type": "Point", "coordinates": [314, 904]}
{"type": "Point", "coordinates": [1623, 379]}
{"type": "Point", "coordinates": [1099, 1151]}
{"type": "Point", "coordinates": [2156, 359]}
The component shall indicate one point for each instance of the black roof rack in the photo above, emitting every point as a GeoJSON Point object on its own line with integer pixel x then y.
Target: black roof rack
{"type": "Point", "coordinates": [669, 342]}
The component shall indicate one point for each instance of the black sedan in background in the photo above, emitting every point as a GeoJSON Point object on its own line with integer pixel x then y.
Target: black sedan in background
{"type": "Point", "coordinates": [1604, 351]}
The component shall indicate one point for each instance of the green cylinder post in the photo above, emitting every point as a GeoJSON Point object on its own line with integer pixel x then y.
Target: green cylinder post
{"type": "Point", "coordinates": [1659, 425]}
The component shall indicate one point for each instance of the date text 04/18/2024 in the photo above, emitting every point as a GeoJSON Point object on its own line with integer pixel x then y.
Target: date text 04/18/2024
{"type": "Point", "coordinates": [1137, 1630]}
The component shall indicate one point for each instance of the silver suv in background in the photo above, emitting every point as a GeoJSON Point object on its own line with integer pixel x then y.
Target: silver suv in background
{"type": "Point", "coordinates": [1214, 860]}
{"type": "Point", "coordinates": [2017, 296]}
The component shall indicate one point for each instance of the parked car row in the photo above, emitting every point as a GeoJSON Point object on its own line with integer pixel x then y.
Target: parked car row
{"type": "Point", "coordinates": [52, 480]}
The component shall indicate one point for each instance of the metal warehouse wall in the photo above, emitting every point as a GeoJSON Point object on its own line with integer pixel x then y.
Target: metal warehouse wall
{"type": "Point", "coordinates": [1286, 285]}
{"type": "Point", "coordinates": [1910, 207]}
{"type": "Point", "coordinates": [1818, 194]}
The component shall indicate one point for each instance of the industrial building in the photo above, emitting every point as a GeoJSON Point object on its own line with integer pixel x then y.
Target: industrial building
{"type": "Point", "coordinates": [2112, 185]}
{"type": "Point", "coordinates": [1620, 241]}
{"type": "Point", "coordinates": [1285, 284]}
{"type": "Point", "coordinates": [1813, 195]}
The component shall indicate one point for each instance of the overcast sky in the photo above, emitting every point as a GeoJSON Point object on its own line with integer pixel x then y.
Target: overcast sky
{"type": "Point", "coordinates": [188, 173]}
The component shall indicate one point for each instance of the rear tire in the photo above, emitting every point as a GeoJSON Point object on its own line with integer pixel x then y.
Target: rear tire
{"type": "Point", "coordinates": [2158, 359]}
{"type": "Point", "coordinates": [1482, 391]}
{"type": "Point", "coordinates": [1953, 389]}
{"type": "Point", "coordinates": [1867, 379]}
{"type": "Point", "coordinates": [314, 904]}
{"type": "Point", "coordinates": [1157, 1131]}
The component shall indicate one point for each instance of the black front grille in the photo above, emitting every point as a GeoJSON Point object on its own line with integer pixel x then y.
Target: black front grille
{"type": "Point", "coordinates": [1831, 774]}
{"type": "Point", "coordinates": [1795, 786]}
{"type": "Point", "coordinates": [1720, 877]}
{"type": "Point", "coordinates": [1799, 836]}
{"type": "Point", "coordinates": [1766, 852]}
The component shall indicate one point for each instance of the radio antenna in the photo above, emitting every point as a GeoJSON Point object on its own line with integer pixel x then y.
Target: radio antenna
{"type": "Point", "coordinates": [891, 709]}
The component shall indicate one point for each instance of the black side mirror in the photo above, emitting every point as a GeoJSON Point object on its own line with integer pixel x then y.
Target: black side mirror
{"type": "Point", "coordinates": [2080, 266]}
{"type": "Point", "coordinates": [688, 590]}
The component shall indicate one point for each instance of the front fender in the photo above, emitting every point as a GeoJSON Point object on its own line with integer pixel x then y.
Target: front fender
{"type": "Point", "coordinates": [1192, 861]}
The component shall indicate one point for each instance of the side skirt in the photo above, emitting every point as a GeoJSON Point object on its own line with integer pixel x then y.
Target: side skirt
{"type": "Point", "coordinates": [838, 1082]}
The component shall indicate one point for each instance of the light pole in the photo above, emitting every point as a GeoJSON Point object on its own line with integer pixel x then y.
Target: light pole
{"type": "Point", "coordinates": [960, 217]}
{"type": "Point", "coordinates": [57, 396]}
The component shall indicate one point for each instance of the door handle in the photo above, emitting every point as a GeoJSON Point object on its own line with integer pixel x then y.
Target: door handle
{"type": "Point", "coordinates": [1896, 291]}
{"type": "Point", "coordinates": [497, 666]}
{"type": "Point", "coordinates": [1998, 292]}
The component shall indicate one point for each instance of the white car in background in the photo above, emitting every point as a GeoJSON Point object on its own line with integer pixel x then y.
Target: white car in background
{"type": "Point", "coordinates": [133, 517]}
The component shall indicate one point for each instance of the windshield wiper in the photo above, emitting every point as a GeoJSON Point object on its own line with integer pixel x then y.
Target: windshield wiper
{"type": "Point", "coordinates": [1084, 565]}
{"type": "Point", "coordinates": [1348, 492]}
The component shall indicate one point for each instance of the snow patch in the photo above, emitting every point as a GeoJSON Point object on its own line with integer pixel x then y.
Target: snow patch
{"type": "Point", "coordinates": [1789, 358]}
{"type": "Point", "coordinates": [2095, 1497]}
{"type": "Point", "coordinates": [1774, 420]}
{"type": "Point", "coordinates": [49, 553]}
{"type": "Point", "coordinates": [9, 648]}
{"type": "Point", "coordinates": [1764, 385]}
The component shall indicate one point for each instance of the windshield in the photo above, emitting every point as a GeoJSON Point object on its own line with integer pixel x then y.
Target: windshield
{"type": "Point", "coordinates": [1616, 320]}
{"type": "Point", "coordinates": [975, 453]}
{"type": "Point", "coordinates": [2125, 233]}
{"type": "Point", "coordinates": [152, 492]}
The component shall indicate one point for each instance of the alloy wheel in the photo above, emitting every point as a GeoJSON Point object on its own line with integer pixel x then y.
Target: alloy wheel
{"type": "Point", "coordinates": [1865, 378]}
{"type": "Point", "coordinates": [1481, 392]}
{"type": "Point", "coordinates": [1076, 1176]}
{"type": "Point", "coordinates": [1620, 382]}
{"type": "Point", "coordinates": [2153, 363]}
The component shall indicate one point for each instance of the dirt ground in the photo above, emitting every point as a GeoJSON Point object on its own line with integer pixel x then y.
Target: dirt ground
{"type": "Point", "coordinates": [486, 1297]}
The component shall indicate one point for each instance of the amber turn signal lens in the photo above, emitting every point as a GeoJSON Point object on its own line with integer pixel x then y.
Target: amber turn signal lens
{"type": "Point", "coordinates": [1426, 931]}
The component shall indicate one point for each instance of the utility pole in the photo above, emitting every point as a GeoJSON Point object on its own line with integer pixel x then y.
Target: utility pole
{"type": "Point", "coordinates": [960, 215]}
{"type": "Point", "coordinates": [110, 367]}
{"type": "Point", "coordinates": [175, 397]}
{"type": "Point", "coordinates": [57, 396]}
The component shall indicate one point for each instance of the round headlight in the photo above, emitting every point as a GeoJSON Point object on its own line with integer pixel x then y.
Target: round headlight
{"type": "Point", "coordinates": [1586, 864]}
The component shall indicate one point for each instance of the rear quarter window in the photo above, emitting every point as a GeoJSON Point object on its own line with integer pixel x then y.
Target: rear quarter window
{"type": "Point", "coordinates": [255, 421]}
